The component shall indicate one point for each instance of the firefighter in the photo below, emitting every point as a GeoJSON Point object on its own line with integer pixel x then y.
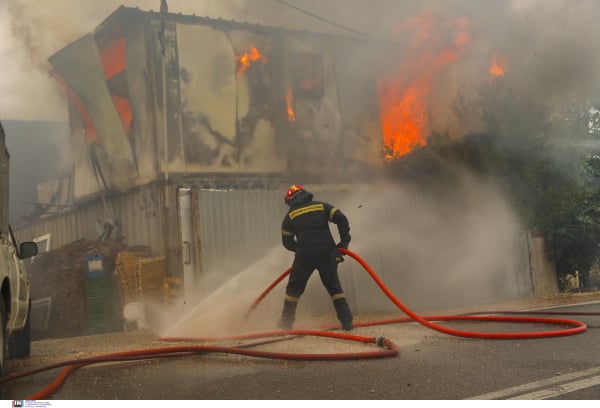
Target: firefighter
{"type": "Point", "coordinates": [305, 231]}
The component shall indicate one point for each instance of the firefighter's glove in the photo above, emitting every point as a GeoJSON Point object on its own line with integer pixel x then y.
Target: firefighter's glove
{"type": "Point", "coordinates": [337, 256]}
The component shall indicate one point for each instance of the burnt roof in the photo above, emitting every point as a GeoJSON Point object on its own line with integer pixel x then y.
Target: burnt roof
{"type": "Point", "coordinates": [125, 16]}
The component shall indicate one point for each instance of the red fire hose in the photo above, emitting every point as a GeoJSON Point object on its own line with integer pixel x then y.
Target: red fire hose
{"type": "Point", "coordinates": [386, 347]}
{"type": "Point", "coordinates": [575, 326]}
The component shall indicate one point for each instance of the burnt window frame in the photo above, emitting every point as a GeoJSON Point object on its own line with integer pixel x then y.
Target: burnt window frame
{"type": "Point", "coordinates": [308, 66]}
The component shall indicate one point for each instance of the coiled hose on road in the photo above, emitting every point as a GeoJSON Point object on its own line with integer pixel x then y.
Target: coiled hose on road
{"type": "Point", "coordinates": [386, 347]}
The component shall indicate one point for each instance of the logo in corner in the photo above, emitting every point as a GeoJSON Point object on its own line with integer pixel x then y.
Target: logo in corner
{"type": "Point", "coordinates": [18, 404]}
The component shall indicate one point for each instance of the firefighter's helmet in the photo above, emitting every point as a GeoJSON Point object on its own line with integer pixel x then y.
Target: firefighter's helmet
{"type": "Point", "coordinates": [293, 191]}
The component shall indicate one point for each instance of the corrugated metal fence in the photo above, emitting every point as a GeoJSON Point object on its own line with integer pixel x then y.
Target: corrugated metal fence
{"type": "Point", "coordinates": [425, 260]}
{"type": "Point", "coordinates": [428, 255]}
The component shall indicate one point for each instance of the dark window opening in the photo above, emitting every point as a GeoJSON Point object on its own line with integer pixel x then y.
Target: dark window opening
{"type": "Point", "coordinates": [308, 75]}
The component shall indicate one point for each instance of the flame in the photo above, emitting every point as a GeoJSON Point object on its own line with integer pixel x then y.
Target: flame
{"type": "Point", "coordinates": [114, 64]}
{"type": "Point", "coordinates": [309, 84]}
{"type": "Point", "coordinates": [404, 118]}
{"type": "Point", "coordinates": [404, 95]}
{"type": "Point", "coordinates": [113, 57]}
{"type": "Point", "coordinates": [246, 59]}
{"type": "Point", "coordinates": [498, 67]}
{"type": "Point", "coordinates": [289, 102]}
{"type": "Point", "coordinates": [89, 129]}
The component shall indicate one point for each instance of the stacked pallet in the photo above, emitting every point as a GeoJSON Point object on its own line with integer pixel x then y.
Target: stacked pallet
{"type": "Point", "coordinates": [141, 279]}
{"type": "Point", "coordinates": [150, 273]}
{"type": "Point", "coordinates": [126, 264]}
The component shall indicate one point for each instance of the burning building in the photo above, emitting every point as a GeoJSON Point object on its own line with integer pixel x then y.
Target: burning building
{"type": "Point", "coordinates": [167, 111]}
{"type": "Point", "coordinates": [154, 95]}
{"type": "Point", "coordinates": [186, 131]}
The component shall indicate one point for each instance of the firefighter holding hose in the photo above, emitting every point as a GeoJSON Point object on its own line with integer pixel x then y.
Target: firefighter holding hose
{"type": "Point", "coordinates": [305, 231]}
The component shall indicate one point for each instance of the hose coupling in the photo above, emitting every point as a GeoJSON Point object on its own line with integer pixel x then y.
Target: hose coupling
{"type": "Point", "coordinates": [379, 341]}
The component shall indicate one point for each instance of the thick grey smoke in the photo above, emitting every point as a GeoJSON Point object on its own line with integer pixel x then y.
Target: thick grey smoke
{"type": "Point", "coordinates": [548, 45]}
{"type": "Point", "coordinates": [29, 34]}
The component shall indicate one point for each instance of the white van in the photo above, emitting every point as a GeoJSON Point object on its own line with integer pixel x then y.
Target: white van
{"type": "Point", "coordinates": [15, 301]}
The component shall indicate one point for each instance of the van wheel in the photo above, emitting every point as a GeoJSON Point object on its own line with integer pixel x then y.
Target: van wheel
{"type": "Point", "coordinates": [19, 343]}
{"type": "Point", "coordinates": [3, 342]}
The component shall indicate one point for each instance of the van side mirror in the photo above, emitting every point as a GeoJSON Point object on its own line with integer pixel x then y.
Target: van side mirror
{"type": "Point", "coordinates": [28, 249]}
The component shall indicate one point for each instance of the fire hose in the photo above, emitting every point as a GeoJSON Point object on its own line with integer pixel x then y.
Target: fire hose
{"type": "Point", "coordinates": [386, 347]}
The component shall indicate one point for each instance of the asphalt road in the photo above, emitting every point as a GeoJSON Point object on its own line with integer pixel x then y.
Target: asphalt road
{"type": "Point", "coordinates": [430, 366]}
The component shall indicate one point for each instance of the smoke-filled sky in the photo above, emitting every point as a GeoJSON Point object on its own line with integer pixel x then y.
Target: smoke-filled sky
{"type": "Point", "coordinates": [549, 46]}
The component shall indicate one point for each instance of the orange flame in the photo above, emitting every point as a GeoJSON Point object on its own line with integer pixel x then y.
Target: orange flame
{"type": "Point", "coordinates": [403, 116]}
{"type": "Point", "coordinates": [246, 59]}
{"type": "Point", "coordinates": [289, 101]}
{"type": "Point", "coordinates": [404, 95]}
{"type": "Point", "coordinates": [498, 67]}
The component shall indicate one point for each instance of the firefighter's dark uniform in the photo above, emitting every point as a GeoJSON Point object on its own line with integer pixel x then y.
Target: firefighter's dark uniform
{"type": "Point", "coordinates": [305, 231]}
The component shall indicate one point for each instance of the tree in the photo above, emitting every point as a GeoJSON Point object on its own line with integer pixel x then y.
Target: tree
{"type": "Point", "coordinates": [546, 161]}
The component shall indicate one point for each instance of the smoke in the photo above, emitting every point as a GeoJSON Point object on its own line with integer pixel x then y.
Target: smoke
{"type": "Point", "coordinates": [453, 247]}
{"type": "Point", "coordinates": [30, 34]}
{"type": "Point", "coordinates": [548, 45]}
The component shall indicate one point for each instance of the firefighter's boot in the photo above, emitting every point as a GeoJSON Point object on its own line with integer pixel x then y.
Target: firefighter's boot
{"type": "Point", "coordinates": [288, 314]}
{"type": "Point", "coordinates": [342, 309]}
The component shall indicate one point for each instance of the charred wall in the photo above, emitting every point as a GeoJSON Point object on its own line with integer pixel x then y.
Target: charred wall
{"type": "Point", "coordinates": [154, 94]}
